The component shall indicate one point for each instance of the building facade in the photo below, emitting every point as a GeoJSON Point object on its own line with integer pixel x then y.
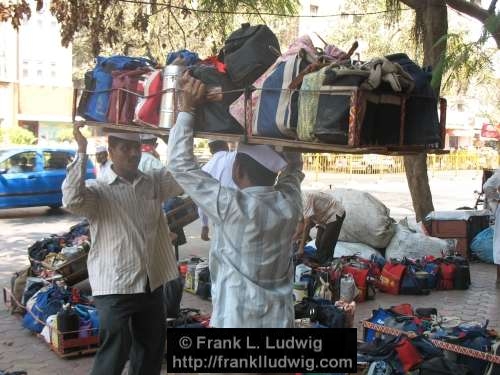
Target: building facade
{"type": "Point", "coordinates": [35, 76]}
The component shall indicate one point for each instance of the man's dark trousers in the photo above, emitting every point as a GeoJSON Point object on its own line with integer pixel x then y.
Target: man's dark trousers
{"type": "Point", "coordinates": [132, 326]}
{"type": "Point", "coordinates": [326, 238]}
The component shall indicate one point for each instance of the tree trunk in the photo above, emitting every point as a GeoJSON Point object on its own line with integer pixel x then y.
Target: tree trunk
{"type": "Point", "coordinates": [434, 18]}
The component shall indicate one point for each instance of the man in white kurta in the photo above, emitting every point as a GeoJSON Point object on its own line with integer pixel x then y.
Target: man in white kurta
{"type": "Point", "coordinates": [251, 254]}
{"type": "Point", "coordinates": [491, 191]}
{"type": "Point", "coordinates": [220, 167]}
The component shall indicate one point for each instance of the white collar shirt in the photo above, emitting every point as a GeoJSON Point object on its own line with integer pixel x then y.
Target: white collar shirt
{"type": "Point", "coordinates": [130, 238]}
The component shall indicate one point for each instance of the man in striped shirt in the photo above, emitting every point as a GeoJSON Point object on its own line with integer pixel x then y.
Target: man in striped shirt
{"type": "Point", "coordinates": [131, 256]}
{"type": "Point", "coordinates": [251, 264]}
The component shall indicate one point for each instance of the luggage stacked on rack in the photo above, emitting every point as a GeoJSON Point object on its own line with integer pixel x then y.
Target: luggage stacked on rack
{"type": "Point", "coordinates": [307, 93]}
{"type": "Point", "coordinates": [101, 94]}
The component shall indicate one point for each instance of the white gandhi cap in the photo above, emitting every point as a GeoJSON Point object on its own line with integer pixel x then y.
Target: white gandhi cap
{"type": "Point", "coordinates": [264, 155]}
{"type": "Point", "coordinates": [100, 149]}
{"type": "Point", "coordinates": [130, 136]}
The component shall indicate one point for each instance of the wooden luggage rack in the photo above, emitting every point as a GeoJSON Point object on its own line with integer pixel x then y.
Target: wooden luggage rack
{"type": "Point", "coordinates": [64, 347]}
{"type": "Point", "coordinates": [353, 146]}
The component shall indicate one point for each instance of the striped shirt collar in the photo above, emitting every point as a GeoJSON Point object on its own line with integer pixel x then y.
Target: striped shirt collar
{"type": "Point", "coordinates": [111, 177]}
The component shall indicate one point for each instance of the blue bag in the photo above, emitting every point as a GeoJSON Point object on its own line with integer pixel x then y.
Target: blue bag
{"type": "Point", "coordinates": [378, 317]}
{"type": "Point", "coordinates": [89, 313]}
{"type": "Point", "coordinates": [482, 245]}
{"type": "Point", "coordinates": [421, 117]}
{"type": "Point", "coordinates": [48, 302]}
{"type": "Point", "coordinates": [190, 58]}
{"type": "Point", "coordinates": [433, 270]}
{"type": "Point", "coordinates": [410, 284]}
{"type": "Point", "coordinates": [94, 105]}
{"type": "Point", "coordinates": [276, 112]}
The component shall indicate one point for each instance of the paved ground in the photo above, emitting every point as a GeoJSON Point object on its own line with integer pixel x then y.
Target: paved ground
{"type": "Point", "coordinates": [20, 228]}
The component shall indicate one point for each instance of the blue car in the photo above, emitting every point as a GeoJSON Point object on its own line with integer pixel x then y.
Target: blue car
{"type": "Point", "coordinates": [32, 176]}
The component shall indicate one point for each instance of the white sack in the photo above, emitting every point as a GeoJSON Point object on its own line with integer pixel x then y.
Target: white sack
{"type": "Point", "coordinates": [407, 243]}
{"type": "Point", "coordinates": [349, 248]}
{"type": "Point", "coordinates": [411, 222]}
{"type": "Point", "coordinates": [367, 219]}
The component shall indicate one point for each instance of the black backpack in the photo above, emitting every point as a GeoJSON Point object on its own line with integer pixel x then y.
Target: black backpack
{"type": "Point", "coordinates": [248, 52]}
{"type": "Point", "coordinates": [461, 280]}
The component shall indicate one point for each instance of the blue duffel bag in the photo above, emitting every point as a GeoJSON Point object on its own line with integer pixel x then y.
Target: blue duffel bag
{"type": "Point", "coordinates": [276, 112]}
{"type": "Point", "coordinates": [47, 302]}
{"type": "Point", "coordinates": [482, 245]}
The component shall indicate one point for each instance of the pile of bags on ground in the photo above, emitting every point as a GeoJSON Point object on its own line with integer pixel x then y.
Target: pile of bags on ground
{"type": "Point", "coordinates": [50, 306]}
{"type": "Point", "coordinates": [54, 252]}
{"type": "Point", "coordinates": [414, 263]}
{"type": "Point", "coordinates": [287, 95]}
{"type": "Point", "coordinates": [419, 355]}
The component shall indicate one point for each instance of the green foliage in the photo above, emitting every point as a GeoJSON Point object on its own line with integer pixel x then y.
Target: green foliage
{"type": "Point", "coordinates": [137, 30]}
{"type": "Point", "coordinates": [377, 34]}
{"type": "Point", "coordinates": [465, 63]}
{"type": "Point", "coordinates": [20, 136]}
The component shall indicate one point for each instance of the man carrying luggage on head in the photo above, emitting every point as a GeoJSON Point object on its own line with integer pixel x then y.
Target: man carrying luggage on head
{"type": "Point", "coordinates": [250, 256]}
{"type": "Point", "coordinates": [131, 256]}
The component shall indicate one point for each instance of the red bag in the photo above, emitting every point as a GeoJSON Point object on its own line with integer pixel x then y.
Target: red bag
{"type": "Point", "coordinates": [447, 275]}
{"type": "Point", "coordinates": [147, 111]}
{"type": "Point", "coordinates": [124, 95]}
{"type": "Point", "coordinates": [360, 276]}
{"type": "Point", "coordinates": [408, 355]}
{"type": "Point", "coordinates": [403, 309]}
{"type": "Point", "coordinates": [391, 276]}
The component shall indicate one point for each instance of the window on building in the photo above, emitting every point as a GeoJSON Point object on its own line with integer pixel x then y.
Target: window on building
{"type": "Point", "coordinates": [460, 107]}
{"type": "Point", "coordinates": [39, 73]}
{"type": "Point", "coordinates": [313, 10]}
{"type": "Point", "coordinates": [26, 73]}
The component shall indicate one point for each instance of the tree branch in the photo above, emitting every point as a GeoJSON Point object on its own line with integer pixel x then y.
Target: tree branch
{"type": "Point", "coordinates": [469, 8]}
{"type": "Point", "coordinates": [476, 12]}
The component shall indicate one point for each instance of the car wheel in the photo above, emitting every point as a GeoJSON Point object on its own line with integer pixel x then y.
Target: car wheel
{"type": "Point", "coordinates": [55, 206]}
